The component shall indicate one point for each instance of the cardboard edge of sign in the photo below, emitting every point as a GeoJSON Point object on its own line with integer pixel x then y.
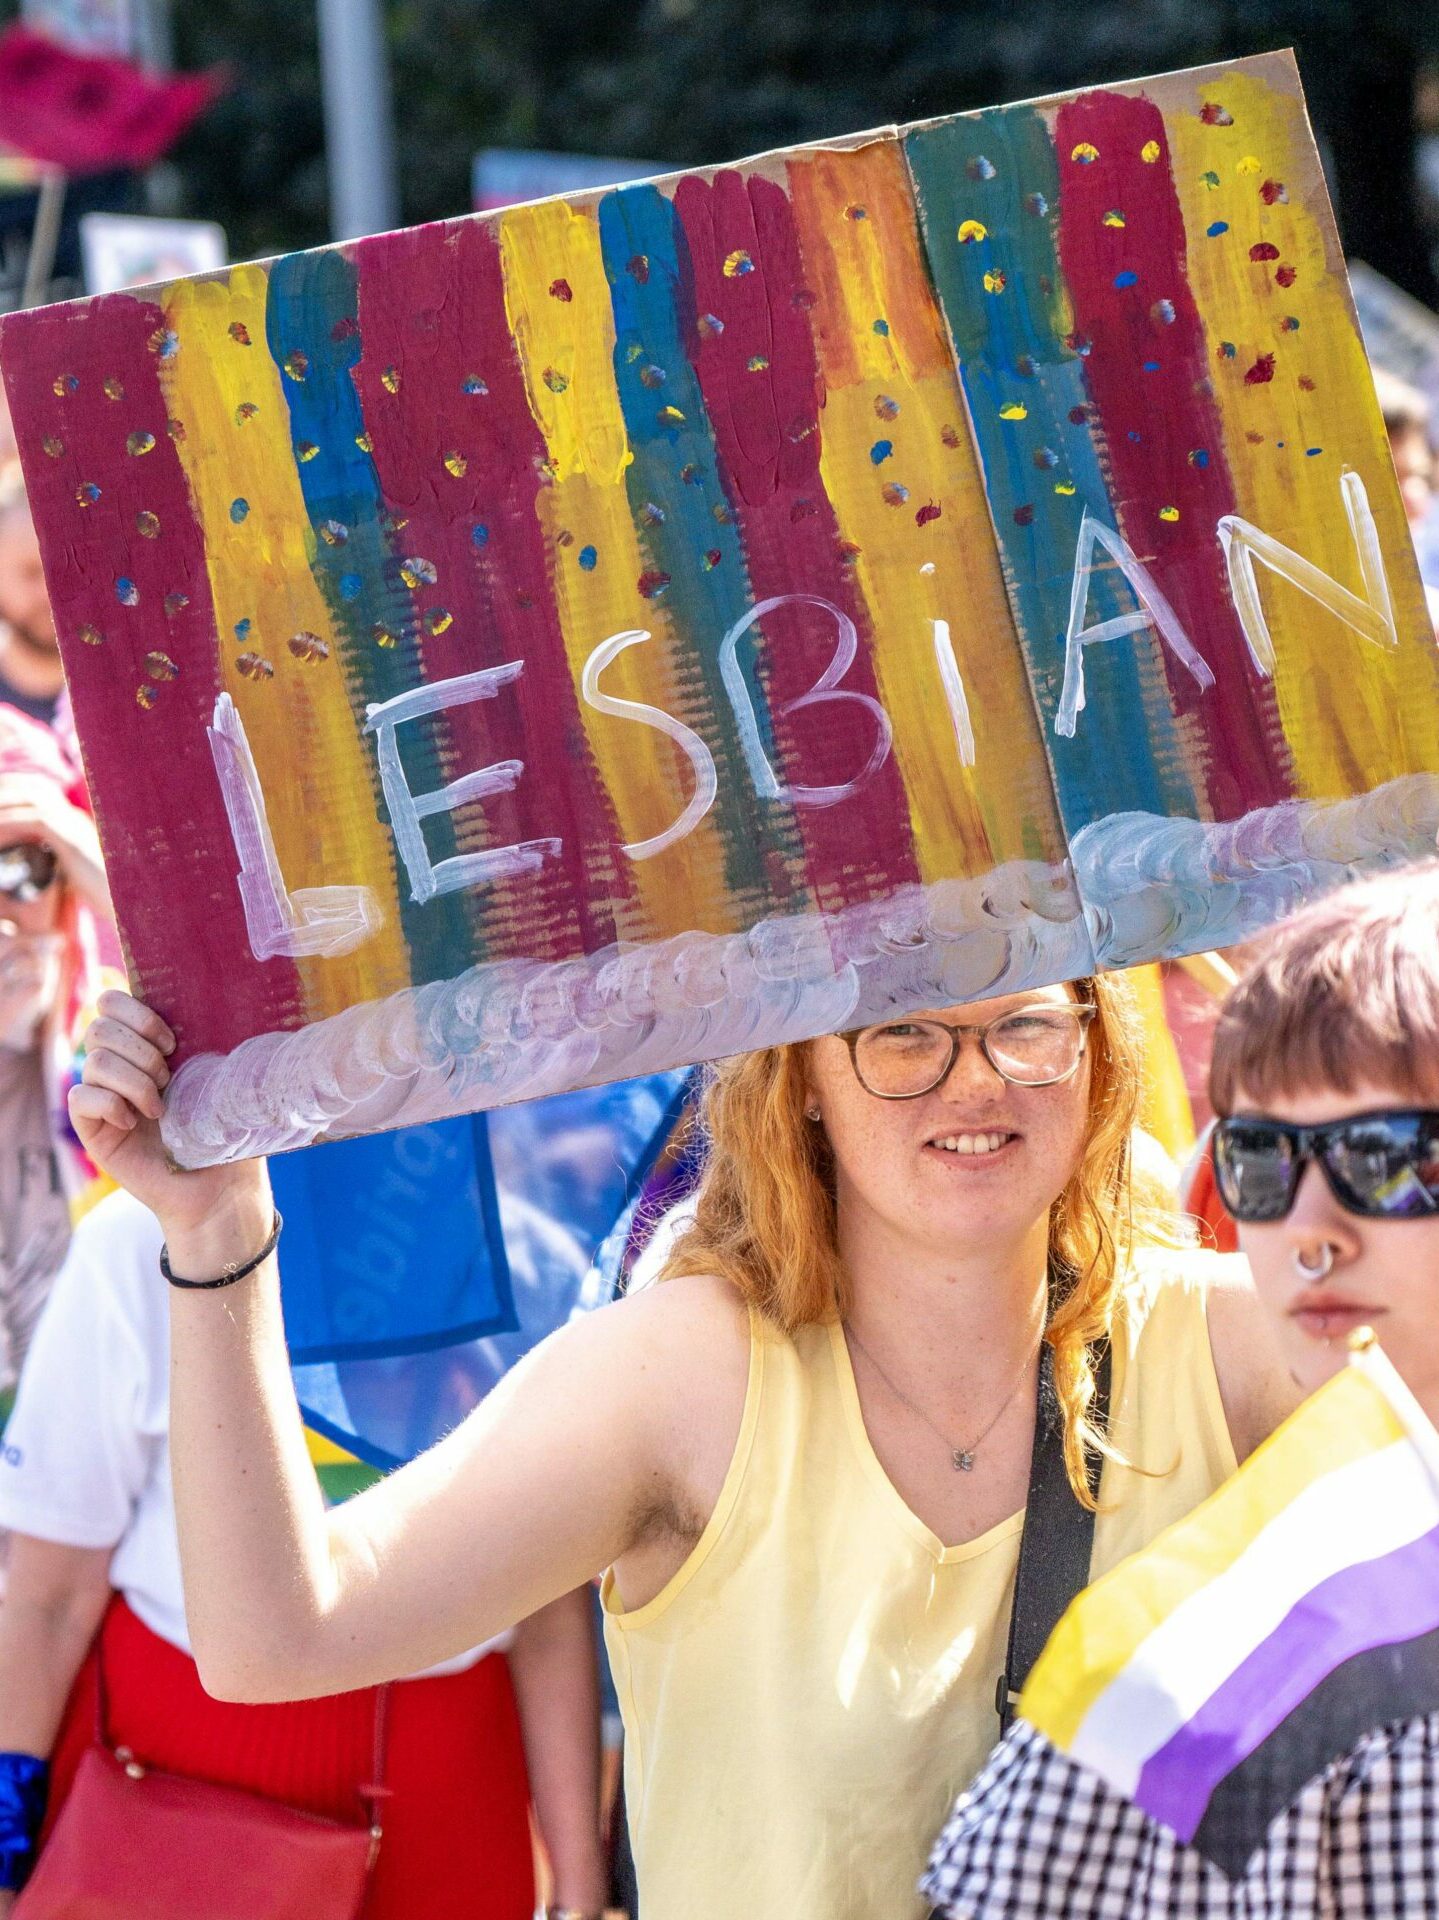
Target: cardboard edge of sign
{"type": "Point", "coordinates": [517, 1030]}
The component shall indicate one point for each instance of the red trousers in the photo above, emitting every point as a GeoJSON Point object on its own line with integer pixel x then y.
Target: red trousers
{"type": "Point", "coordinates": [457, 1835]}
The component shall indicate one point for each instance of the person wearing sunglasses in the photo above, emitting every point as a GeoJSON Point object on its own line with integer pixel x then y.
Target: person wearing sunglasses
{"type": "Point", "coordinates": [807, 1457]}
{"type": "Point", "coordinates": [51, 886]}
{"type": "Point", "coordinates": [1325, 1078]}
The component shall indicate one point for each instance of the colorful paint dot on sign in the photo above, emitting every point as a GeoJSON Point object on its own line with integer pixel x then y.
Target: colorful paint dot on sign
{"type": "Point", "coordinates": [1036, 204]}
{"type": "Point", "coordinates": [1262, 372]}
{"type": "Point", "coordinates": [1149, 366]}
{"type": "Point", "coordinates": [473, 385]}
{"type": "Point", "coordinates": [245, 411]}
{"type": "Point", "coordinates": [351, 586]}
{"type": "Point", "coordinates": [308, 647]}
{"type": "Point", "coordinates": [1045, 458]}
{"type": "Point", "coordinates": [1216, 227]}
{"type": "Point", "coordinates": [1264, 250]}
{"type": "Point", "coordinates": [893, 494]}
{"type": "Point", "coordinates": [713, 556]}
{"type": "Point", "coordinates": [1274, 193]}
{"type": "Point", "coordinates": [160, 666]}
{"type": "Point", "coordinates": [305, 450]}
{"type": "Point", "coordinates": [928, 513]}
{"type": "Point", "coordinates": [91, 635]}
{"type": "Point", "coordinates": [126, 592]}
{"type": "Point", "coordinates": [145, 697]}
{"type": "Point", "coordinates": [638, 268]}
{"type": "Point", "coordinates": [456, 463]}
{"type": "Point", "coordinates": [1085, 154]}
{"type": "Point", "coordinates": [297, 364]}
{"type": "Point", "coordinates": [737, 263]}
{"type": "Point", "coordinates": [479, 535]}
{"type": "Point", "coordinates": [588, 559]}
{"type": "Point", "coordinates": [1285, 276]}
{"type": "Point", "coordinates": [651, 514]}
{"type": "Point", "coordinates": [1078, 416]}
{"type": "Point", "coordinates": [670, 417]}
{"type": "Point", "coordinates": [1149, 152]}
{"type": "Point", "coordinates": [147, 525]}
{"type": "Point", "coordinates": [416, 572]}
{"type": "Point", "coordinates": [1024, 516]}
{"type": "Point", "coordinates": [364, 443]}
{"type": "Point", "coordinates": [176, 430]}
{"type": "Point", "coordinates": [1162, 313]}
{"type": "Point", "coordinates": [114, 388]}
{"type": "Point", "coordinates": [239, 333]}
{"type": "Point", "coordinates": [757, 363]}
{"type": "Point", "coordinates": [652, 583]}
{"type": "Point", "coordinates": [1114, 218]}
{"type": "Point", "coordinates": [1214, 115]}
{"type": "Point", "coordinates": [981, 167]}
{"type": "Point", "coordinates": [928, 567]}
{"type": "Point", "coordinates": [1064, 487]}
{"type": "Point", "coordinates": [1289, 324]}
{"type": "Point", "coordinates": [652, 377]}
{"type": "Point", "coordinates": [254, 666]}
{"type": "Point", "coordinates": [1209, 178]}
{"type": "Point", "coordinates": [556, 381]}
{"type": "Point", "coordinates": [1198, 456]}
{"type": "Point", "coordinates": [65, 383]}
{"type": "Point", "coordinates": [239, 509]}
{"type": "Point", "coordinates": [880, 451]}
{"type": "Point", "coordinates": [242, 628]}
{"type": "Point", "coordinates": [949, 434]}
{"type": "Point", "coordinates": [561, 290]}
{"type": "Point", "coordinates": [885, 407]}
{"type": "Point", "coordinates": [856, 213]}
{"type": "Point", "coordinates": [995, 281]}
{"type": "Point", "coordinates": [1025, 367]}
{"type": "Point", "coordinates": [1311, 453]}
{"type": "Point", "coordinates": [881, 327]}
{"type": "Point", "coordinates": [1135, 435]}
{"type": "Point", "coordinates": [710, 326]}
{"type": "Point", "coordinates": [439, 620]}
{"type": "Point", "coordinates": [52, 446]}
{"type": "Point", "coordinates": [1227, 350]}
{"type": "Point", "coordinates": [140, 442]}
{"type": "Point", "coordinates": [1015, 410]}
{"type": "Point", "coordinates": [334, 533]}
{"type": "Point", "coordinates": [175, 603]}
{"type": "Point", "coordinates": [383, 637]}
{"type": "Point", "coordinates": [1170, 514]}
{"type": "Point", "coordinates": [1127, 278]}
{"type": "Point", "coordinates": [164, 343]}
{"type": "Point", "coordinates": [972, 230]}
{"type": "Point", "coordinates": [1249, 164]}
{"type": "Point", "coordinates": [390, 379]}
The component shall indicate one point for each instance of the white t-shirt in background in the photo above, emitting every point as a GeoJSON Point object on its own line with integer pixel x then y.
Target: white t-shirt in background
{"type": "Point", "coordinates": [85, 1460]}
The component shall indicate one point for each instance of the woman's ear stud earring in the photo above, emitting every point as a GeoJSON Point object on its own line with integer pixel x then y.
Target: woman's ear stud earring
{"type": "Point", "coordinates": [811, 1113]}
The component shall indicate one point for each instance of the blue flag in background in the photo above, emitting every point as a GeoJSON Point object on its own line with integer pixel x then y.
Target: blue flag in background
{"type": "Point", "coordinates": [421, 1265]}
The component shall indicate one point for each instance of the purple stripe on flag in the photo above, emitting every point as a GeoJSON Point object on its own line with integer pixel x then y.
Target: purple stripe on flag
{"type": "Point", "coordinates": [1375, 1604]}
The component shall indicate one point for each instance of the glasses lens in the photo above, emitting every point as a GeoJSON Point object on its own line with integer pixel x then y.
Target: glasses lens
{"type": "Point", "coordinates": [1254, 1169]}
{"type": "Point", "coordinates": [26, 870]}
{"type": "Point", "coordinates": [1037, 1044]}
{"type": "Point", "coordinates": [1385, 1165]}
{"type": "Point", "coordinates": [902, 1059]}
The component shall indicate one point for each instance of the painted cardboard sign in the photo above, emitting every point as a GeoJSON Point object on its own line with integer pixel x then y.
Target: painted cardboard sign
{"type": "Point", "coordinates": [554, 645]}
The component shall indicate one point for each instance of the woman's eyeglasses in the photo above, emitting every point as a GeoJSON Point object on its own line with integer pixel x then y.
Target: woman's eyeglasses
{"type": "Point", "coordinates": [26, 871]}
{"type": "Point", "coordinates": [1032, 1047]}
{"type": "Point", "coordinates": [1382, 1166]}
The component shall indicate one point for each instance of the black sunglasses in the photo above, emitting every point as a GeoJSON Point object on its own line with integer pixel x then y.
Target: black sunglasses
{"type": "Point", "coordinates": [1382, 1166]}
{"type": "Point", "coordinates": [26, 871]}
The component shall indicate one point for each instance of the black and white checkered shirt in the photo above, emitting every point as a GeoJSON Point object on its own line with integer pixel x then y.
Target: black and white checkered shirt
{"type": "Point", "coordinates": [1038, 1837]}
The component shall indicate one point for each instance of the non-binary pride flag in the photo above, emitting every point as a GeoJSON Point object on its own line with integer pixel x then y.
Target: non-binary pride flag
{"type": "Point", "coordinates": [1211, 1676]}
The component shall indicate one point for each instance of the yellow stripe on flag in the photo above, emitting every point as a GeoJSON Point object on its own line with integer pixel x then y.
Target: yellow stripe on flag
{"type": "Point", "coordinates": [1105, 1627]}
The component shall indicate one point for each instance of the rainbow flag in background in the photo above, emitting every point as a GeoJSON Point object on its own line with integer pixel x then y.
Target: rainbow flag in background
{"type": "Point", "coordinates": [1211, 1676]}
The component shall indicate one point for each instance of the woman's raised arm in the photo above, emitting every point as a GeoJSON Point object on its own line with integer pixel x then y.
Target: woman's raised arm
{"type": "Point", "coordinates": [547, 1482]}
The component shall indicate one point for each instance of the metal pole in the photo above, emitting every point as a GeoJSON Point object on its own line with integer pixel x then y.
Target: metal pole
{"type": "Point", "coordinates": [359, 118]}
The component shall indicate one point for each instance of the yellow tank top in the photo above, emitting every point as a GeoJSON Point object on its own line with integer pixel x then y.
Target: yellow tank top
{"type": "Point", "coordinates": [806, 1696]}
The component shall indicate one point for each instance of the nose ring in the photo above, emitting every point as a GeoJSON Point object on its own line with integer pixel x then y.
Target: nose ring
{"type": "Point", "coordinates": [1320, 1269]}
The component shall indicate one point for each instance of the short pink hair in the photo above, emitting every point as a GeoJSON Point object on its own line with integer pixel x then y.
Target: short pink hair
{"type": "Point", "coordinates": [1343, 994]}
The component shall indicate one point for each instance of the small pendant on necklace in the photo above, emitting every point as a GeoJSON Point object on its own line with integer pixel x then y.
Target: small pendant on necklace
{"type": "Point", "coordinates": [963, 1460]}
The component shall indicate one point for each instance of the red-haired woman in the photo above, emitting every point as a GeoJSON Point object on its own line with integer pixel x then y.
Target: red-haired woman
{"type": "Point", "coordinates": [803, 1459]}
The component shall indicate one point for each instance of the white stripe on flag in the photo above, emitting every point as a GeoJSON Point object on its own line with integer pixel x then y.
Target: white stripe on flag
{"type": "Point", "coordinates": [1358, 1512]}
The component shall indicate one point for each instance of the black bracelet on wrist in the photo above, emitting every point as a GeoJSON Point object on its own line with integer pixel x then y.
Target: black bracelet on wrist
{"type": "Point", "coordinates": [230, 1274]}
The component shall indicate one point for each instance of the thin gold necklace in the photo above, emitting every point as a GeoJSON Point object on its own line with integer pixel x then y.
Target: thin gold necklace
{"type": "Point", "coordinates": [960, 1458]}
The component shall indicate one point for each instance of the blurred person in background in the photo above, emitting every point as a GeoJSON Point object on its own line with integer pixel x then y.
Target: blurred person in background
{"type": "Point", "coordinates": [1408, 422]}
{"type": "Point", "coordinates": [52, 893]}
{"type": "Point", "coordinates": [94, 1600]}
{"type": "Point", "coordinates": [31, 676]}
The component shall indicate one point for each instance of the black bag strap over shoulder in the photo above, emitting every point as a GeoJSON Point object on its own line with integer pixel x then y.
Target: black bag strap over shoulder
{"type": "Point", "coordinates": [1058, 1536]}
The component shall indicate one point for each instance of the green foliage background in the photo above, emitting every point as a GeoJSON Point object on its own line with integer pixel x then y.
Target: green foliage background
{"type": "Point", "coordinates": [694, 81]}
